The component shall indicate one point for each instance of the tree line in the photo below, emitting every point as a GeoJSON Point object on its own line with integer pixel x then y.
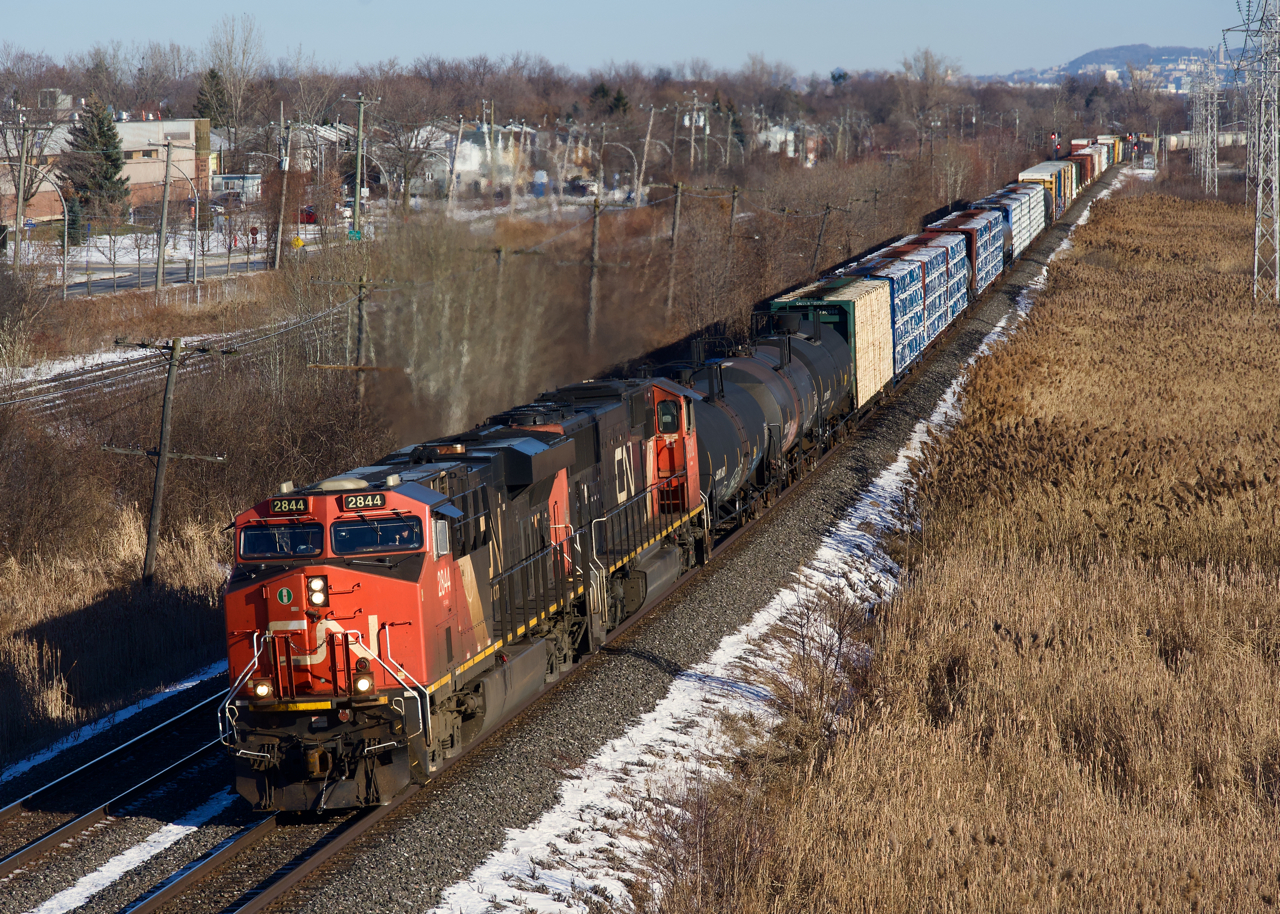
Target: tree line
{"type": "Point", "coordinates": [234, 82]}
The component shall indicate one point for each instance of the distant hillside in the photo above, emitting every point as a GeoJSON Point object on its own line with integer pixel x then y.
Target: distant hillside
{"type": "Point", "coordinates": [1162, 61]}
{"type": "Point", "coordinates": [1140, 55]}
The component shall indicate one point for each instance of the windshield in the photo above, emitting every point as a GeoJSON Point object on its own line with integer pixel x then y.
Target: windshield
{"type": "Point", "coordinates": [390, 534]}
{"type": "Point", "coordinates": [281, 541]}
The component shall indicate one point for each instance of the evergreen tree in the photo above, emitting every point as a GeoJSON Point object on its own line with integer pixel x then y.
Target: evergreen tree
{"type": "Point", "coordinates": [75, 221]}
{"type": "Point", "coordinates": [211, 100]}
{"type": "Point", "coordinates": [93, 162]}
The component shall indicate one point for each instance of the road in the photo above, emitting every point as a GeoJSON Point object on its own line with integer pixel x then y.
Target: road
{"type": "Point", "coordinates": [99, 280]}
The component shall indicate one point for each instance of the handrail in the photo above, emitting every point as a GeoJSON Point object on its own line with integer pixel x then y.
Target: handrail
{"type": "Point", "coordinates": [416, 697]}
{"type": "Point", "coordinates": [225, 712]}
{"type": "Point", "coordinates": [669, 482]}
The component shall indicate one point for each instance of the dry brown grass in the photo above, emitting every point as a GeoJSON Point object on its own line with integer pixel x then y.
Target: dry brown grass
{"type": "Point", "coordinates": [81, 637]}
{"type": "Point", "coordinates": [1075, 702]}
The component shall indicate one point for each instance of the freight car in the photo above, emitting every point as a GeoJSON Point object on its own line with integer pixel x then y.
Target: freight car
{"type": "Point", "coordinates": [381, 621]}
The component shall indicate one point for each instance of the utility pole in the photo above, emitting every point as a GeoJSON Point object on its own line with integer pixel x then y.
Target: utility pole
{"type": "Point", "coordinates": [284, 181]}
{"type": "Point", "coordinates": [675, 133]}
{"type": "Point", "coordinates": [693, 122]}
{"type": "Point", "coordinates": [453, 168]}
{"type": "Point", "coordinates": [21, 194]}
{"type": "Point", "coordinates": [361, 103]}
{"type": "Point", "coordinates": [355, 210]}
{"type": "Point", "coordinates": [362, 333]}
{"type": "Point", "coordinates": [164, 215]}
{"type": "Point", "coordinates": [163, 455]}
{"type": "Point", "coordinates": [671, 270]}
{"type": "Point", "coordinates": [733, 215]}
{"type": "Point", "coordinates": [593, 289]}
{"type": "Point", "coordinates": [822, 230]}
{"type": "Point", "coordinates": [600, 185]}
{"type": "Point", "coordinates": [644, 157]}
{"type": "Point", "coordinates": [162, 461]}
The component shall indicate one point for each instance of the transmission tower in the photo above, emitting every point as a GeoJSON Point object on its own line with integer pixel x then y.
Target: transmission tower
{"type": "Point", "coordinates": [1204, 124]}
{"type": "Point", "coordinates": [1258, 67]}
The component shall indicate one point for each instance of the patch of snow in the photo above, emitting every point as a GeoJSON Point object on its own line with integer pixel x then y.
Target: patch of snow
{"type": "Point", "coordinates": [106, 723]}
{"type": "Point", "coordinates": [51, 368]}
{"type": "Point", "coordinates": [87, 886]}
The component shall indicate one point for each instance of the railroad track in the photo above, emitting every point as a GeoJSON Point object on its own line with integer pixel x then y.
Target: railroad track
{"type": "Point", "coordinates": [266, 891]}
{"type": "Point", "coordinates": [66, 392]}
{"type": "Point", "coordinates": [88, 790]}
{"type": "Point", "coordinates": [259, 896]}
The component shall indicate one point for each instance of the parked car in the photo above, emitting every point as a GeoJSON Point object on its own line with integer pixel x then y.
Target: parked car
{"type": "Point", "coordinates": [345, 209]}
{"type": "Point", "coordinates": [307, 215]}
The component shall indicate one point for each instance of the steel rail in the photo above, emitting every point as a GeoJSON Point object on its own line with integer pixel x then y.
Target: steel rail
{"type": "Point", "coordinates": [39, 846]}
{"type": "Point", "coordinates": [202, 868]}
{"type": "Point", "coordinates": [20, 805]}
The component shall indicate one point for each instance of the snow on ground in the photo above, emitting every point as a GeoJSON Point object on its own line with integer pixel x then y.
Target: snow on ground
{"type": "Point", "coordinates": [580, 849]}
{"type": "Point", "coordinates": [98, 251]}
{"type": "Point", "coordinates": [163, 838]}
{"type": "Point", "coordinates": [583, 850]}
{"type": "Point", "coordinates": [111, 720]}
{"type": "Point", "coordinates": [52, 367]}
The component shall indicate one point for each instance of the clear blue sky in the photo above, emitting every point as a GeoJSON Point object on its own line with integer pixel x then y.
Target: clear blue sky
{"type": "Point", "coordinates": [985, 36]}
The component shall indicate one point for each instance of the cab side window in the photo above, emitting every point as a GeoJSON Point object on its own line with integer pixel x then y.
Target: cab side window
{"type": "Point", "coordinates": [668, 417]}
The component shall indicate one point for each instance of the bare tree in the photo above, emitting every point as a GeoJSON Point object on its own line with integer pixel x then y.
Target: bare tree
{"type": "Point", "coordinates": [314, 87]}
{"type": "Point", "coordinates": [411, 118]}
{"type": "Point", "coordinates": [234, 50]}
{"type": "Point", "coordinates": [158, 70]}
{"type": "Point", "coordinates": [103, 70]}
{"type": "Point", "coordinates": [39, 134]}
{"type": "Point", "coordinates": [923, 91]}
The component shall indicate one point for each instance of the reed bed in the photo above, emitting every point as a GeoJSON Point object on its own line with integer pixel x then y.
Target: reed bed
{"type": "Point", "coordinates": [1072, 702]}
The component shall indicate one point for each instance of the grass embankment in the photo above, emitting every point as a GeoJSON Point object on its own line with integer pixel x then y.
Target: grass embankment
{"type": "Point", "coordinates": [1074, 702]}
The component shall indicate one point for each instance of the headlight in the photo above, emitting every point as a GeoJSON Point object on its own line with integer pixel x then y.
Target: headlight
{"type": "Point", "coordinates": [318, 591]}
{"type": "Point", "coordinates": [364, 684]}
{"type": "Point", "coordinates": [262, 689]}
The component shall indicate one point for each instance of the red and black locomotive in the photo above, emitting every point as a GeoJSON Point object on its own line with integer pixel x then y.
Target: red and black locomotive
{"type": "Point", "coordinates": [381, 621]}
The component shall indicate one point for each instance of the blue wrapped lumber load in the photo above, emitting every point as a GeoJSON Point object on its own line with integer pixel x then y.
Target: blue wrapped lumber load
{"type": "Point", "coordinates": [984, 240]}
{"type": "Point", "coordinates": [937, 305]}
{"type": "Point", "coordinates": [959, 272]}
{"type": "Point", "coordinates": [906, 304]}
